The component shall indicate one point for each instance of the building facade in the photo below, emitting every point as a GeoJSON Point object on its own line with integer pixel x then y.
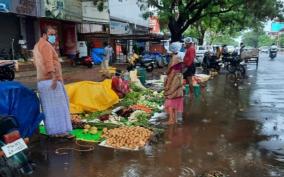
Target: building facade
{"type": "Point", "coordinates": [120, 22]}
{"type": "Point", "coordinates": [95, 26]}
{"type": "Point", "coordinates": [18, 17]}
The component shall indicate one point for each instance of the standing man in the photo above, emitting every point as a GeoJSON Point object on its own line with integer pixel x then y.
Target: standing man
{"type": "Point", "coordinates": [108, 52]}
{"type": "Point", "coordinates": [55, 103]}
{"type": "Point", "coordinates": [189, 63]}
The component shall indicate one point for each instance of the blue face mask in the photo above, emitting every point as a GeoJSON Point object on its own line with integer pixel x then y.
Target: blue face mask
{"type": "Point", "coordinates": [51, 39]}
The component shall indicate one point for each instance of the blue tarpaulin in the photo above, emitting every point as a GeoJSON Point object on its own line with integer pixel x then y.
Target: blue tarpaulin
{"type": "Point", "coordinates": [23, 103]}
{"type": "Point", "coordinates": [97, 55]}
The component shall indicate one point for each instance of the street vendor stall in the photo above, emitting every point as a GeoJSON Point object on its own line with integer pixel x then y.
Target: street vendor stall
{"type": "Point", "coordinates": [99, 116]}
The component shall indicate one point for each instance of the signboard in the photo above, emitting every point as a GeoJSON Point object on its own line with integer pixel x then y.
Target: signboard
{"type": "Point", "coordinates": [119, 28]}
{"type": "Point", "coordinates": [89, 28]}
{"type": "Point", "coordinates": [277, 26]}
{"type": "Point", "coordinates": [26, 7]}
{"type": "Point", "coordinates": [73, 10]}
{"type": "Point", "coordinates": [4, 5]}
{"type": "Point", "coordinates": [154, 25]}
{"type": "Point", "coordinates": [92, 14]}
{"type": "Point", "coordinates": [54, 8]}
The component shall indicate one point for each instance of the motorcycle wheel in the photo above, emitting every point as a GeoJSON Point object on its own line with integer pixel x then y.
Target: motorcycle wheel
{"type": "Point", "coordinates": [89, 65]}
{"type": "Point", "coordinates": [5, 170]}
{"type": "Point", "coordinates": [242, 70]}
{"type": "Point", "coordinates": [231, 77]}
{"type": "Point", "coordinates": [231, 68]}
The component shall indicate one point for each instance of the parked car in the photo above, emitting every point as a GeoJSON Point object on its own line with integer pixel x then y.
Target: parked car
{"type": "Point", "coordinates": [200, 51]}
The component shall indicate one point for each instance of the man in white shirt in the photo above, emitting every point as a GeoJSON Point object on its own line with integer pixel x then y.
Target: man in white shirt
{"type": "Point", "coordinates": [108, 53]}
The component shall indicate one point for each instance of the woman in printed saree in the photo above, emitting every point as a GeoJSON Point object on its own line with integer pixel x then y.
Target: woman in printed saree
{"type": "Point", "coordinates": [174, 85]}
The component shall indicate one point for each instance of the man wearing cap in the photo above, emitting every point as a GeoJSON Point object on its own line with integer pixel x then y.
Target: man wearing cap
{"type": "Point", "coordinates": [189, 63]}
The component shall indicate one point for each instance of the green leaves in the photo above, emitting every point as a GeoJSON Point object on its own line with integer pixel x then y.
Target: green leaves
{"type": "Point", "coordinates": [257, 38]}
{"type": "Point", "coordinates": [215, 14]}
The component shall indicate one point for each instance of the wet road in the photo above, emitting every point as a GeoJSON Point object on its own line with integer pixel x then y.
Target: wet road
{"type": "Point", "coordinates": [237, 131]}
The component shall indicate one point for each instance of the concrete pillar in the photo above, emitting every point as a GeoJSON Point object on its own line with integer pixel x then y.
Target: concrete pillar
{"type": "Point", "coordinates": [130, 47]}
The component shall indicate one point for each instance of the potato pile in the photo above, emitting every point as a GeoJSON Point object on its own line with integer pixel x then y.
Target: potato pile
{"type": "Point", "coordinates": [127, 137]}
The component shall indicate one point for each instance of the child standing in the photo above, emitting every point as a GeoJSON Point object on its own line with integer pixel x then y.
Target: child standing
{"type": "Point", "coordinates": [174, 85]}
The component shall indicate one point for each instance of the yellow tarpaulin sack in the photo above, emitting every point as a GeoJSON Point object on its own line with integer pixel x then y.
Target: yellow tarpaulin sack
{"type": "Point", "coordinates": [88, 96]}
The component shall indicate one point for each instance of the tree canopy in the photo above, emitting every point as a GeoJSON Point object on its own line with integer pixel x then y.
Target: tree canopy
{"type": "Point", "coordinates": [180, 14]}
{"type": "Point", "coordinates": [203, 15]}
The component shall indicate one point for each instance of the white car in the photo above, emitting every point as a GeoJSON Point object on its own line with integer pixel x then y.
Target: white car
{"type": "Point", "coordinates": [200, 51]}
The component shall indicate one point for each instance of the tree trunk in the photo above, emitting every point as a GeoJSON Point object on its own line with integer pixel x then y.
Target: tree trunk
{"type": "Point", "coordinates": [176, 33]}
{"type": "Point", "coordinates": [200, 40]}
{"type": "Point", "coordinates": [201, 37]}
{"type": "Point", "coordinates": [176, 36]}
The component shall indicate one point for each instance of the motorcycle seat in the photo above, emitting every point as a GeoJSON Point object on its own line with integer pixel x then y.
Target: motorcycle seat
{"type": "Point", "coordinates": [6, 63]}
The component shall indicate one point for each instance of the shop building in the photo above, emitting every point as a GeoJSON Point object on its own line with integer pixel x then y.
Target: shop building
{"type": "Point", "coordinates": [18, 18]}
{"type": "Point", "coordinates": [95, 26]}
{"type": "Point", "coordinates": [63, 16]}
{"type": "Point", "coordinates": [128, 29]}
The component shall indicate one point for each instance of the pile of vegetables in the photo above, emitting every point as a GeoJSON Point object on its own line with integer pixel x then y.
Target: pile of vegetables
{"type": "Point", "coordinates": [130, 99]}
{"type": "Point", "coordinates": [127, 137]}
{"type": "Point", "coordinates": [126, 126]}
{"type": "Point", "coordinates": [141, 108]}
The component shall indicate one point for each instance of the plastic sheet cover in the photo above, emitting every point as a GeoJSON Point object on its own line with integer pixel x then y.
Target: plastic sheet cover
{"type": "Point", "coordinates": [88, 96]}
{"type": "Point", "coordinates": [23, 103]}
{"type": "Point", "coordinates": [97, 55]}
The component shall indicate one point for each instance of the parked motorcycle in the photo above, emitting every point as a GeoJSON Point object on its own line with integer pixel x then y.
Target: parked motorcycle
{"type": "Point", "coordinates": [13, 159]}
{"type": "Point", "coordinates": [86, 61]}
{"type": "Point", "coordinates": [210, 62]}
{"type": "Point", "coordinates": [159, 60]}
{"type": "Point", "coordinates": [136, 60]}
{"type": "Point", "coordinates": [7, 71]}
{"type": "Point", "coordinates": [236, 65]}
{"type": "Point", "coordinates": [148, 64]}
